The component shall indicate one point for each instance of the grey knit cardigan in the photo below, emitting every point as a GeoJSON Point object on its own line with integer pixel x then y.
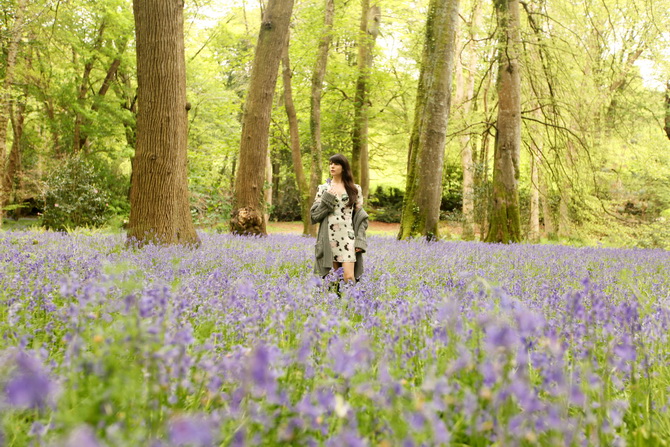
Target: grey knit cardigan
{"type": "Point", "coordinates": [322, 251]}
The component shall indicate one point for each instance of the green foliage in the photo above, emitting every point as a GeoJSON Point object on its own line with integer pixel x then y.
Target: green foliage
{"type": "Point", "coordinates": [654, 235]}
{"type": "Point", "coordinates": [211, 206]}
{"type": "Point", "coordinates": [75, 196]}
{"type": "Point", "coordinates": [386, 204]}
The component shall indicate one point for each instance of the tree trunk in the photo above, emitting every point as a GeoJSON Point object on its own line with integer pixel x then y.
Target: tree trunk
{"type": "Point", "coordinates": [303, 188]}
{"type": "Point", "coordinates": [315, 102]}
{"type": "Point", "coordinates": [534, 227]}
{"type": "Point", "coordinates": [421, 206]}
{"type": "Point", "coordinates": [369, 30]}
{"type": "Point", "coordinates": [17, 116]}
{"type": "Point", "coordinates": [667, 110]}
{"type": "Point", "coordinates": [159, 199]}
{"type": "Point", "coordinates": [547, 217]}
{"type": "Point", "coordinates": [482, 187]}
{"type": "Point", "coordinates": [267, 190]}
{"type": "Point", "coordinates": [6, 102]}
{"type": "Point", "coordinates": [504, 222]}
{"type": "Point", "coordinates": [248, 208]}
{"type": "Point", "coordinates": [465, 89]}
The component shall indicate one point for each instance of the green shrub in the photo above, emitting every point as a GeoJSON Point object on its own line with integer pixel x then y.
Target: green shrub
{"type": "Point", "coordinates": [385, 205]}
{"type": "Point", "coordinates": [75, 196]}
{"type": "Point", "coordinates": [654, 235]}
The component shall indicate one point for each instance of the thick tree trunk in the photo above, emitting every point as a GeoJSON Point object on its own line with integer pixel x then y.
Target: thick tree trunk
{"type": "Point", "coordinates": [421, 206]}
{"type": "Point", "coordinates": [315, 102]}
{"type": "Point", "coordinates": [303, 187]}
{"type": "Point", "coordinates": [504, 222]}
{"type": "Point", "coordinates": [6, 102]}
{"type": "Point", "coordinates": [248, 209]}
{"type": "Point", "coordinates": [369, 29]}
{"type": "Point", "coordinates": [465, 89]}
{"type": "Point", "coordinates": [159, 199]}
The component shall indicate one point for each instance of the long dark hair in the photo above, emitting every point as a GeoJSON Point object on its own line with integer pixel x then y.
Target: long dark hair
{"type": "Point", "coordinates": [347, 177]}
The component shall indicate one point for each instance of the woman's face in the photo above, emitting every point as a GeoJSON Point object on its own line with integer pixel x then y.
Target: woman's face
{"type": "Point", "coordinates": [335, 169]}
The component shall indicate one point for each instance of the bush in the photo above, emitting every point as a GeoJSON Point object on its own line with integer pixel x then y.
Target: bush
{"type": "Point", "coordinates": [385, 205]}
{"type": "Point", "coordinates": [654, 235]}
{"type": "Point", "coordinates": [75, 196]}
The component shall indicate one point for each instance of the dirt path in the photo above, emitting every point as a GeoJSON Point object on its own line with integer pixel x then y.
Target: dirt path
{"type": "Point", "coordinates": [378, 228]}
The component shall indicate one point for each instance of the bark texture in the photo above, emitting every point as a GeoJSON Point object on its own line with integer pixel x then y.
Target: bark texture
{"type": "Point", "coordinates": [248, 209]}
{"type": "Point", "coordinates": [369, 30]}
{"type": "Point", "coordinates": [301, 180]}
{"type": "Point", "coordinates": [421, 207]}
{"type": "Point", "coordinates": [504, 220]}
{"type": "Point", "coordinates": [315, 102]}
{"type": "Point", "coordinates": [159, 199]}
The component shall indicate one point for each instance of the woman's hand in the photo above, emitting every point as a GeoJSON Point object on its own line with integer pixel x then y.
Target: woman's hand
{"type": "Point", "coordinates": [358, 250]}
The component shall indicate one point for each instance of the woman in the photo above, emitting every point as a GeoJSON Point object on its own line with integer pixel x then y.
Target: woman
{"type": "Point", "coordinates": [338, 208]}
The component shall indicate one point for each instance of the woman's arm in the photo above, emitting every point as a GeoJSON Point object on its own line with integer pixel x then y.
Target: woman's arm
{"type": "Point", "coordinates": [361, 242]}
{"type": "Point", "coordinates": [359, 198]}
{"type": "Point", "coordinates": [324, 204]}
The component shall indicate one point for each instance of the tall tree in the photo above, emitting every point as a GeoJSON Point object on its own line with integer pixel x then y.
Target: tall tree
{"type": "Point", "coordinates": [6, 92]}
{"type": "Point", "coordinates": [248, 208]}
{"type": "Point", "coordinates": [369, 29]}
{"type": "Point", "coordinates": [159, 198]}
{"type": "Point", "coordinates": [294, 135]}
{"type": "Point", "coordinates": [423, 193]}
{"type": "Point", "coordinates": [534, 223]}
{"type": "Point", "coordinates": [315, 101]}
{"type": "Point", "coordinates": [465, 90]}
{"type": "Point", "coordinates": [504, 222]}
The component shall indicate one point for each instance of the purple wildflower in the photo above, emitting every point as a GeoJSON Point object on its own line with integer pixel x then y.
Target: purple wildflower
{"type": "Point", "coordinates": [190, 430]}
{"type": "Point", "coordinates": [82, 436]}
{"type": "Point", "coordinates": [29, 385]}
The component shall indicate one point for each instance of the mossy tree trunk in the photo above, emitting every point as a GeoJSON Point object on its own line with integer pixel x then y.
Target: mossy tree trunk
{"type": "Point", "coordinates": [504, 220]}
{"type": "Point", "coordinates": [248, 208]}
{"type": "Point", "coordinates": [159, 198]}
{"type": "Point", "coordinates": [369, 29]}
{"type": "Point", "coordinates": [315, 102]}
{"type": "Point", "coordinates": [423, 193]}
{"type": "Point", "coordinates": [301, 180]}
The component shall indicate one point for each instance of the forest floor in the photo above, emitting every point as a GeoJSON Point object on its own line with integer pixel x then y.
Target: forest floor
{"type": "Point", "coordinates": [447, 229]}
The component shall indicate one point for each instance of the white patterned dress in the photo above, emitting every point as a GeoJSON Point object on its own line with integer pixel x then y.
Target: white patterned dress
{"type": "Point", "coordinates": [340, 225]}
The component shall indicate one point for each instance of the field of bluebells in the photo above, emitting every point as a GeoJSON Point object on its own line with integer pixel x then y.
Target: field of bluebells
{"type": "Point", "coordinates": [236, 343]}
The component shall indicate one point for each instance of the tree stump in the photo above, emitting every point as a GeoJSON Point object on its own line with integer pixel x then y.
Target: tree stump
{"type": "Point", "coordinates": [247, 222]}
